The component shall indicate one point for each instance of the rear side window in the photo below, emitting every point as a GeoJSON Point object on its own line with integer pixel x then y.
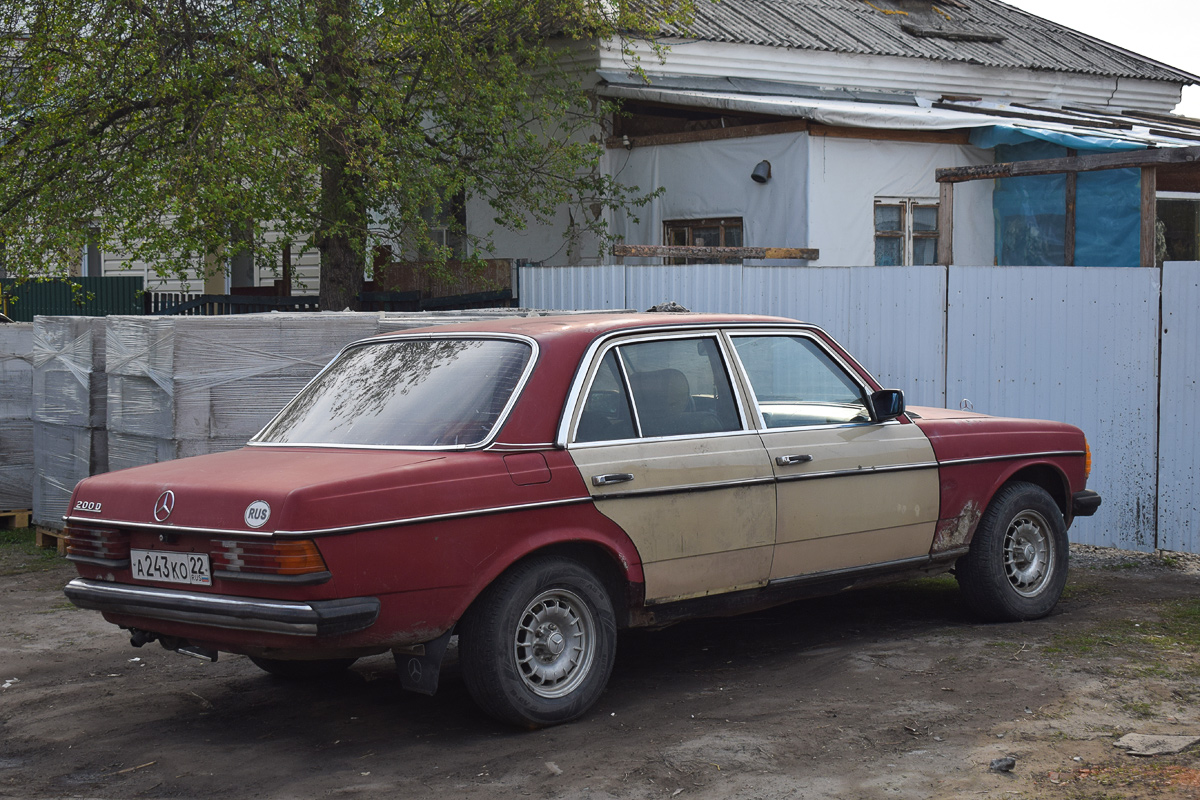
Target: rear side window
{"type": "Point", "coordinates": [674, 387]}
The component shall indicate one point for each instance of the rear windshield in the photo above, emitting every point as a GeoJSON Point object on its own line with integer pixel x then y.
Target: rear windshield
{"type": "Point", "coordinates": [405, 393]}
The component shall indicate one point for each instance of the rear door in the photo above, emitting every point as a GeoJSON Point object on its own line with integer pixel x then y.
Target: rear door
{"type": "Point", "coordinates": [851, 492]}
{"type": "Point", "coordinates": [663, 441]}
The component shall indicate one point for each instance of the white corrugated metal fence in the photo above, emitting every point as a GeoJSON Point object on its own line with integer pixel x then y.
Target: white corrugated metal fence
{"type": "Point", "coordinates": [1075, 344]}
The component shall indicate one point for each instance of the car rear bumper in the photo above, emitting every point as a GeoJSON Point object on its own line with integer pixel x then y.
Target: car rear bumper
{"type": "Point", "coordinates": [306, 618]}
{"type": "Point", "coordinates": [1085, 503]}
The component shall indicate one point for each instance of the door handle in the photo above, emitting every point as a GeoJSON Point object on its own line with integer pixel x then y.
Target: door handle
{"type": "Point", "coordinates": [611, 478]}
{"type": "Point", "coordinates": [787, 461]}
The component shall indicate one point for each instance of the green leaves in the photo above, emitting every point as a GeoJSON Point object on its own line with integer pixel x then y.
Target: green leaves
{"type": "Point", "coordinates": [155, 127]}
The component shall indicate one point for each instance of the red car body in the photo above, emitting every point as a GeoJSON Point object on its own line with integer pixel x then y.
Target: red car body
{"type": "Point", "coordinates": [408, 540]}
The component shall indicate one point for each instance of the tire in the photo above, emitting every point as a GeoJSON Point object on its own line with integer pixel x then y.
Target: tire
{"type": "Point", "coordinates": [538, 645]}
{"type": "Point", "coordinates": [303, 670]}
{"type": "Point", "coordinates": [1017, 565]}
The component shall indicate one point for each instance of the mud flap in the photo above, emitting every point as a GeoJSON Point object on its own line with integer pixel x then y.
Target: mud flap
{"type": "Point", "coordinates": [421, 666]}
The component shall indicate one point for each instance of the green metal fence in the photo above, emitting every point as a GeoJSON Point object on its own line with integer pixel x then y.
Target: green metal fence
{"type": "Point", "coordinates": [81, 297]}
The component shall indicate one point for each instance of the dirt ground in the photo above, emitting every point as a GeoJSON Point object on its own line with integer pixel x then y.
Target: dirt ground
{"type": "Point", "coordinates": [890, 692]}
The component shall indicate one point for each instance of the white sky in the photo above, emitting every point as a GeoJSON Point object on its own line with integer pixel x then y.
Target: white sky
{"type": "Point", "coordinates": [1164, 30]}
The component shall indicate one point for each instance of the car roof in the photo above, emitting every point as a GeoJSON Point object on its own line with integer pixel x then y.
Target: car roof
{"type": "Point", "coordinates": [587, 326]}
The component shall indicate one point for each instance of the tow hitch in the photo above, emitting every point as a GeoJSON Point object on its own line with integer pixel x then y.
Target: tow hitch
{"type": "Point", "coordinates": [139, 637]}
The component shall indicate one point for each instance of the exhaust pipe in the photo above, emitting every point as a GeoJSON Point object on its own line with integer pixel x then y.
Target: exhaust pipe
{"type": "Point", "coordinates": [139, 637]}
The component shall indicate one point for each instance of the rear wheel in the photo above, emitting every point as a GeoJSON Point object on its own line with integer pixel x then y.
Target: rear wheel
{"type": "Point", "coordinates": [538, 645]}
{"type": "Point", "coordinates": [303, 670]}
{"type": "Point", "coordinates": [1017, 565]}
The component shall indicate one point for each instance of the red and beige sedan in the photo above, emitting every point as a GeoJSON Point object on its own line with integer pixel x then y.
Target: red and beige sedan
{"type": "Point", "coordinates": [533, 485]}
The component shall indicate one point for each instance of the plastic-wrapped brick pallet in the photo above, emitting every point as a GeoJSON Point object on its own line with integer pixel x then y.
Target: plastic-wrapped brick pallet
{"type": "Point", "coordinates": [185, 386]}
{"type": "Point", "coordinates": [69, 440]}
{"type": "Point", "coordinates": [16, 416]}
{"type": "Point", "coordinates": [182, 386]}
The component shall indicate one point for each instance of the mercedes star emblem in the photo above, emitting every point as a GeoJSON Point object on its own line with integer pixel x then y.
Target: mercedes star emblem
{"type": "Point", "coordinates": [164, 506]}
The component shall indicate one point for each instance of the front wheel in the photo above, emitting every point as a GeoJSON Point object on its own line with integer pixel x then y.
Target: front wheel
{"type": "Point", "coordinates": [1017, 565]}
{"type": "Point", "coordinates": [538, 645]}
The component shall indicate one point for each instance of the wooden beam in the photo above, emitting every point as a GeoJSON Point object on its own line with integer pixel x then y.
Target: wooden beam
{"type": "Point", "coordinates": [1149, 215]}
{"type": "Point", "coordinates": [710, 135]}
{"type": "Point", "coordinates": [945, 251]}
{"type": "Point", "coordinates": [1069, 228]}
{"type": "Point", "coordinates": [957, 136]}
{"type": "Point", "coordinates": [1053, 166]}
{"type": "Point", "coordinates": [715, 253]}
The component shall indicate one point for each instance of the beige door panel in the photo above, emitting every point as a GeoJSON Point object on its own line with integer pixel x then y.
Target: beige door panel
{"type": "Point", "coordinates": [685, 578]}
{"type": "Point", "coordinates": [700, 510]}
{"type": "Point", "coordinates": [850, 550]}
{"type": "Point", "coordinates": [871, 491]}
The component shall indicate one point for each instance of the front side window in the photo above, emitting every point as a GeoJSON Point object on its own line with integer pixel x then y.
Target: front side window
{"type": "Point", "coordinates": [797, 384]}
{"type": "Point", "coordinates": [906, 232]}
{"type": "Point", "coordinates": [672, 387]}
{"type": "Point", "coordinates": [405, 393]}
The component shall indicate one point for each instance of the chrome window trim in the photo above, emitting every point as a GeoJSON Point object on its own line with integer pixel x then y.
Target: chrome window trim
{"type": "Point", "coordinates": [535, 352]}
{"type": "Point", "coordinates": [852, 373]}
{"type": "Point", "coordinates": [686, 488]}
{"type": "Point", "coordinates": [623, 371]}
{"type": "Point", "coordinates": [653, 439]}
{"type": "Point", "coordinates": [584, 379]}
{"type": "Point", "coordinates": [841, 473]}
{"type": "Point", "coordinates": [588, 358]}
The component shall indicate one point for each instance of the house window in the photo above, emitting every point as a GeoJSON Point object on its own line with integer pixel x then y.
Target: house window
{"type": "Point", "coordinates": [704, 233]}
{"type": "Point", "coordinates": [906, 232]}
{"type": "Point", "coordinates": [1179, 223]}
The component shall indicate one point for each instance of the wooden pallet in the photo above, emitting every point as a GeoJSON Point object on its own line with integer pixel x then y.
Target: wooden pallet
{"type": "Point", "coordinates": [17, 518]}
{"type": "Point", "coordinates": [47, 538]}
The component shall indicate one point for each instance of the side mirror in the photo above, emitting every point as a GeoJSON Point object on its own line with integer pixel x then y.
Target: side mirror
{"type": "Point", "coordinates": [887, 404]}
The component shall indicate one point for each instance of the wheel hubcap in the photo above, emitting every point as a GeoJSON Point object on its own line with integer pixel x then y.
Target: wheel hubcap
{"type": "Point", "coordinates": [1028, 553]}
{"type": "Point", "coordinates": [554, 643]}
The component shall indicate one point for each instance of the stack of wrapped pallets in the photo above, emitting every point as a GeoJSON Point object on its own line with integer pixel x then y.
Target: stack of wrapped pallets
{"type": "Point", "coordinates": [69, 440]}
{"type": "Point", "coordinates": [16, 423]}
{"type": "Point", "coordinates": [185, 386]}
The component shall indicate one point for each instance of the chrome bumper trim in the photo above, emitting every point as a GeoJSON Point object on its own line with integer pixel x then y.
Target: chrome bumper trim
{"type": "Point", "coordinates": [292, 618]}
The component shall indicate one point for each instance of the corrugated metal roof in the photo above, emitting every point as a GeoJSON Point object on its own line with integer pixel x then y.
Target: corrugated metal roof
{"type": "Point", "coordinates": [983, 32]}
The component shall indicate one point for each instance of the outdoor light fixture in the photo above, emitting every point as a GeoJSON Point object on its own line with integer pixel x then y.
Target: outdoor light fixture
{"type": "Point", "coordinates": [628, 145]}
{"type": "Point", "coordinates": [762, 172]}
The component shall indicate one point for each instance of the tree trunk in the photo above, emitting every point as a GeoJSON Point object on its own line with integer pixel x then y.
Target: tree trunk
{"type": "Point", "coordinates": [341, 234]}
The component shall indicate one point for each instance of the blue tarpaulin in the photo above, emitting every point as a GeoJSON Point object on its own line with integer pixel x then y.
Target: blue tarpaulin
{"type": "Point", "coordinates": [1030, 212]}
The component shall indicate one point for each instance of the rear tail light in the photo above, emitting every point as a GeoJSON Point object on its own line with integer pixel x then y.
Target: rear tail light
{"type": "Point", "coordinates": [103, 546]}
{"type": "Point", "coordinates": [288, 557]}
{"type": "Point", "coordinates": [1087, 459]}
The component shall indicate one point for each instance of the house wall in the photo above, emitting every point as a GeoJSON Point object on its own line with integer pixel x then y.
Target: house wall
{"type": "Point", "coordinates": [712, 180]}
{"type": "Point", "coordinates": [306, 267]}
{"type": "Point", "coordinates": [846, 175]}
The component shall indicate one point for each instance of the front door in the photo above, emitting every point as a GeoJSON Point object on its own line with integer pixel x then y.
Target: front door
{"type": "Point", "coordinates": [851, 492]}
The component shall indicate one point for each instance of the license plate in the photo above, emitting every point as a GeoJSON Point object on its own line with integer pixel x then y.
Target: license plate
{"type": "Point", "coordinates": [156, 565]}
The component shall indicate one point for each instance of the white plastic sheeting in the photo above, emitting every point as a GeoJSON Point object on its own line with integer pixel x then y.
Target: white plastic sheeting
{"type": "Point", "coordinates": [16, 416]}
{"type": "Point", "coordinates": [707, 180]}
{"type": "Point", "coordinates": [845, 176]}
{"type": "Point", "coordinates": [1179, 404]}
{"type": "Point", "coordinates": [69, 410]}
